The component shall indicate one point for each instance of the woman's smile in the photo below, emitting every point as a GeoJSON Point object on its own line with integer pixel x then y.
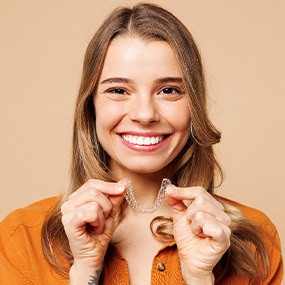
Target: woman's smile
{"type": "Point", "coordinates": [144, 142]}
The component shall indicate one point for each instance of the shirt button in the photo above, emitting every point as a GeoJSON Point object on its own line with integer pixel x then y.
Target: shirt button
{"type": "Point", "coordinates": [160, 266]}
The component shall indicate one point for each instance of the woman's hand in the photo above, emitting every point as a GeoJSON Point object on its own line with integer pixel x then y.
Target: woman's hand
{"type": "Point", "coordinates": [88, 220]}
{"type": "Point", "coordinates": [201, 232]}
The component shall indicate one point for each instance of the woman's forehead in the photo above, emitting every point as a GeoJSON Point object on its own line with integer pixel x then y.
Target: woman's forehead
{"type": "Point", "coordinates": [131, 55]}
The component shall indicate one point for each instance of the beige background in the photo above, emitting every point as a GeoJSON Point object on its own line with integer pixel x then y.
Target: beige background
{"type": "Point", "coordinates": [41, 51]}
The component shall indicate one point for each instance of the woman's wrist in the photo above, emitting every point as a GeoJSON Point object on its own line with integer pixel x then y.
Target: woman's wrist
{"type": "Point", "coordinates": [205, 280]}
{"type": "Point", "coordinates": [193, 275]}
{"type": "Point", "coordinates": [82, 274]}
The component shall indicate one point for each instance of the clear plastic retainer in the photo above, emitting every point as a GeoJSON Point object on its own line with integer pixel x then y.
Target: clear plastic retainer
{"type": "Point", "coordinates": [131, 199]}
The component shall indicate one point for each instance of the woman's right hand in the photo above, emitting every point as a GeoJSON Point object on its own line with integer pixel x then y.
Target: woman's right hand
{"type": "Point", "coordinates": [88, 220]}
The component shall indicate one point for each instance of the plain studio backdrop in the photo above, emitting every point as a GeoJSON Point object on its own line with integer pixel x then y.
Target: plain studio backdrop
{"type": "Point", "coordinates": [41, 52]}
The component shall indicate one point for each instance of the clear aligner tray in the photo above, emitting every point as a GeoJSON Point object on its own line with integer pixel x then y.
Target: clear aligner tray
{"type": "Point", "coordinates": [131, 199]}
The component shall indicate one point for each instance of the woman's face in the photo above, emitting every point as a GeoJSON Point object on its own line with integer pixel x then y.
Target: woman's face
{"type": "Point", "coordinates": [142, 114]}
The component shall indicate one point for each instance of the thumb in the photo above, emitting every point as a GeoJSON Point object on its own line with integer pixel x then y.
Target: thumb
{"type": "Point", "coordinates": [116, 200]}
{"type": "Point", "coordinates": [174, 199]}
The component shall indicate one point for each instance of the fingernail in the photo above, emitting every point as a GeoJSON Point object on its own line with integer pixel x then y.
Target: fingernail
{"type": "Point", "coordinates": [170, 190]}
{"type": "Point", "coordinates": [119, 188]}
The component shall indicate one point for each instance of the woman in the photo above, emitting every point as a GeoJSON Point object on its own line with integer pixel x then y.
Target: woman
{"type": "Point", "coordinates": [141, 117]}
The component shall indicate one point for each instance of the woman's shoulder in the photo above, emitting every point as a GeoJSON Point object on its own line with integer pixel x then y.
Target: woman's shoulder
{"type": "Point", "coordinates": [30, 216]}
{"type": "Point", "coordinates": [253, 214]}
{"type": "Point", "coordinates": [269, 235]}
{"type": "Point", "coordinates": [21, 253]}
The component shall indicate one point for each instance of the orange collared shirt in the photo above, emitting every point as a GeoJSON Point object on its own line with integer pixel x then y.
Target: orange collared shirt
{"type": "Point", "coordinates": [22, 261]}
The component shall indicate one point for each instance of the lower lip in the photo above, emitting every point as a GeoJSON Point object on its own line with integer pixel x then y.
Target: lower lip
{"type": "Point", "coordinates": [145, 148]}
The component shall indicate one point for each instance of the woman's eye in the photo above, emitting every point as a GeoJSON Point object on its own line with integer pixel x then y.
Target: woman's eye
{"type": "Point", "coordinates": [117, 94]}
{"type": "Point", "coordinates": [118, 91]}
{"type": "Point", "coordinates": [170, 93]}
{"type": "Point", "coordinates": [171, 90]}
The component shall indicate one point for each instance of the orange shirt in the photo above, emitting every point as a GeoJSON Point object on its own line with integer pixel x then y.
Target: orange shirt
{"type": "Point", "coordinates": [22, 261]}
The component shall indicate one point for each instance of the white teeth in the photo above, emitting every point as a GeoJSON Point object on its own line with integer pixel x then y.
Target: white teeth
{"type": "Point", "coordinates": [139, 140]}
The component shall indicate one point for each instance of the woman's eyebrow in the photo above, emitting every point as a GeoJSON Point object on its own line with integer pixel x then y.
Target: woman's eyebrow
{"type": "Point", "coordinates": [169, 80]}
{"type": "Point", "coordinates": [117, 80]}
{"type": "Point", "coordinates": [129, 81]}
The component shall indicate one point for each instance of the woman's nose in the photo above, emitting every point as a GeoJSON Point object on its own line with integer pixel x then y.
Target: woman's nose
{"type": "Point", "coordinates": [143, 109]}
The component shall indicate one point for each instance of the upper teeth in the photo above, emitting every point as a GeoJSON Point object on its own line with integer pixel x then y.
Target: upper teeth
{"type": "Point", "coordinates": [139, 140]}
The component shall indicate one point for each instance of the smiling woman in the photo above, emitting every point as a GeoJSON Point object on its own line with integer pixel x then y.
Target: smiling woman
{"type": "Point", "coordinates": [140, 122]}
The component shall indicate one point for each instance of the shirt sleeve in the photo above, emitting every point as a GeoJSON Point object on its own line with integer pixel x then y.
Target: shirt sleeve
{"type": "Point", "coordinates": [22, 260]}
{"type": "Point", "coordinates": [13, 265]}
{"type": "Point", "coordinates": [275, 261]}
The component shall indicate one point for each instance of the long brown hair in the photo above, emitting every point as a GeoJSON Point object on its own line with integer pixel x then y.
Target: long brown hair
{"type": "Point", "coordinates": [195, 165]}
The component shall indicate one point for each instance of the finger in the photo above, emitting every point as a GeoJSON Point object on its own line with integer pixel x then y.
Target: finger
{"type": "Point", "coordinates": [75, 222]}
{"type": "Point", "coordinates": [99, 223]}
{"type": "Point", "coordinates": [191, 193]}
{"type": "Point", "coordinates": [177, 205]}
{"type": "Point", "coordinates": [87, 196]}
{"type": "Point", "coordinates": [109, 188]}
{"type": "Point", "coordinates": [116, 202]}
{"type": "Point", "coordinates": [202, 203]}
{"type": "Point", "coordinates": [205, 225]}
{"type": "Point", "coordinates": [91, 192]}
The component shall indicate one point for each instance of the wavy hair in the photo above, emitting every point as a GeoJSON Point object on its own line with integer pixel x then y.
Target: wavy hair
{"type": "Point", "coordinates": [195, 165]}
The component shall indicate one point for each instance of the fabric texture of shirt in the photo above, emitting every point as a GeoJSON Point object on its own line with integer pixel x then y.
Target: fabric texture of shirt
{"type": "Point", "coordinates": [22, 260]}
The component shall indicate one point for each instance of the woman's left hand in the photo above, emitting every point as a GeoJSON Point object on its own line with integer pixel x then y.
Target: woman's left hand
{"type": "Point", "coordinates": [201, 232]}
